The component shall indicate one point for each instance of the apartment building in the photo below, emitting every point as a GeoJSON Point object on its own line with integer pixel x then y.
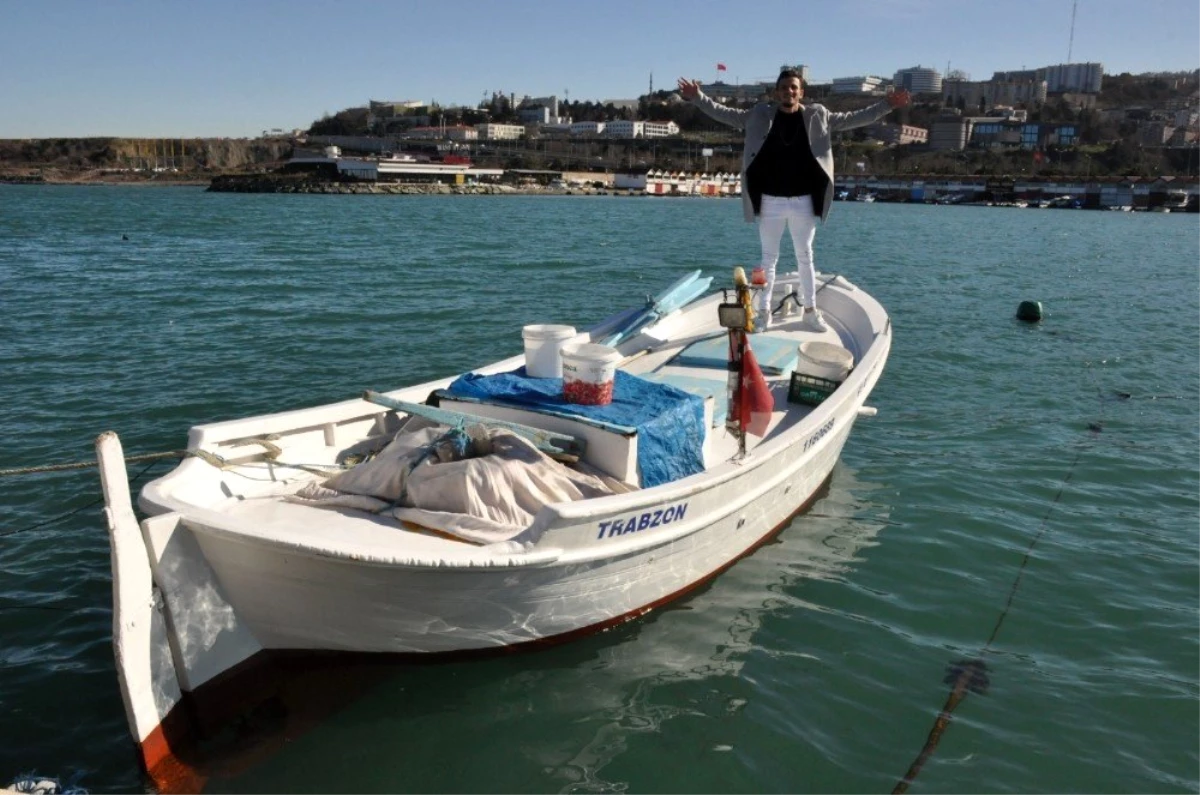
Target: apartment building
{"type": "Point", "coordinates": [863, 84]}
{"type": "Point", "coordinates": [500, 132]}
{"type": "Point", "coordinates": [951, 132]}
{"type": "Point", "coordinates": [746, 92]}
{"type": "Point", "coordinates": [622, 128]}
{"type": "Point", "coordinates": [660, 129]}
{"type": "Point", "coordinates": [972, 95]}
{"type": "Point", "coordinates": [919, 80]}
{"type": "Point", "coordinates": [897, 134]}
{"type": "Point", "coordinates": [1082, 78]}
{"type": "Point", "coordinates": [587, 127]}
{"type": "Point", "coordinates": [461, 132]}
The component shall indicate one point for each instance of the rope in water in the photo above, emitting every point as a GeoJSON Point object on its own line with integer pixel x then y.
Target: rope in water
{"type": "Point", "coordinates": [272, 452]}
{"type": "Point", "coordinates": [971, 675]}
{"type": "Point", "coordinates": [55, 519]}
{"type": "Point", "coordinates": [89, 464]}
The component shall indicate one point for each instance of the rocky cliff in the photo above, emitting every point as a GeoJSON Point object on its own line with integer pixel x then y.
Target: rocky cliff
{"type": "Point", "coordinates": [64, 157]}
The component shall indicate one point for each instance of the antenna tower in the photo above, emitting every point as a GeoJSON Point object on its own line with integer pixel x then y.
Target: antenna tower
{"type": "Point", "coordinates": [1071, 42]}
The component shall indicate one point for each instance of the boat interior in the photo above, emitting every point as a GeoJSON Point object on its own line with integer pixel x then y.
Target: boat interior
{"type": "Point", "coordinates": [261, 463]}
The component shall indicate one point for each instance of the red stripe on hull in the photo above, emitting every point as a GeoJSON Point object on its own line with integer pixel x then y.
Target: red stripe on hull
{"type": "Point", "coordinates": [167, 770]}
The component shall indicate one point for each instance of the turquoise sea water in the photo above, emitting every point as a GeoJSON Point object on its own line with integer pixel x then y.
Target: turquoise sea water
{"type": "Point", "coordinates": [1027, 495]}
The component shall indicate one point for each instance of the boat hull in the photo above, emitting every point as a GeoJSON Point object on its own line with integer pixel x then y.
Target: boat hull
{"type": "Point", "coordinates": [215, 580]}
{"type": "Point", "coordinates": [290, 600]}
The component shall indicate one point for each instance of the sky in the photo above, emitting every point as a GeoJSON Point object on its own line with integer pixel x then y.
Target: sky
{"type": "Point", "coordinates": [234, 68]}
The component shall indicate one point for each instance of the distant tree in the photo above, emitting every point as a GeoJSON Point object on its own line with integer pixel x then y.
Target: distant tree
{"type": "Point", "coordinates": [352, 121]}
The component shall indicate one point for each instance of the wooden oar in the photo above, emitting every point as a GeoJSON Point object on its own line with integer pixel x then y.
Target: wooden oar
{"type": "Point", "coordinates": [666, 301]}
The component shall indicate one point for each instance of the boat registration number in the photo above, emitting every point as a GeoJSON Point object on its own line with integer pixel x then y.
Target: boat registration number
{"type": "Point", "coordinates": [637, 522]}
{"type": "Point", "coordinates": [820, 434]}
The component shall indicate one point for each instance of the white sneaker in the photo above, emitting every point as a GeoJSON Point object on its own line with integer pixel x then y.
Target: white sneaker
{"type": "Point", "coordinates": [813, 321]}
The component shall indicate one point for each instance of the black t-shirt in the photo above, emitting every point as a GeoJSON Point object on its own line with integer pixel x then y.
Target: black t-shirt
{"type": "Point", "coordinates": [786, 166]}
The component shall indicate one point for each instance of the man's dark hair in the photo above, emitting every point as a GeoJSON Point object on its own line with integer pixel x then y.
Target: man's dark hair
{"type": "Point", "coordinates": [787, 74]}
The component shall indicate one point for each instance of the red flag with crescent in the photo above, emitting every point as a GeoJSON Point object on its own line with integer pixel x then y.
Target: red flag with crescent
{"type": "Point", "coordinates": [755, 401]}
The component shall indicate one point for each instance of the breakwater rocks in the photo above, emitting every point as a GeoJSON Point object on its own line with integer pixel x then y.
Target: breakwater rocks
{"type": "Point", "coordinates": [22, 179]}
{"type": "Point", "coordinates": [277, 183]}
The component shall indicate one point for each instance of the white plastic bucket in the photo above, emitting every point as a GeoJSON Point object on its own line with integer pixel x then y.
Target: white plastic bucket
{"type": "Point", "coordinates": [542, 349]}
{"type": "Point", "coordinates": [588, 373]}
{"type": "Point", "coordinates": [824, 360]}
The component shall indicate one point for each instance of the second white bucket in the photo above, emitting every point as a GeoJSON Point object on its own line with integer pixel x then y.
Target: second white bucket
{"type": "Point", "coordinates": [589, 371]}
{"type": "Point", "coordinates": [824, 360]}
{"type": "Point", "coordinates": [543, 349]}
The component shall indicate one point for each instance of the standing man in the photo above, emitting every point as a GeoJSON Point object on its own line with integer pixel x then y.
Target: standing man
{"type": "Point", "coordinates": [787, 173]}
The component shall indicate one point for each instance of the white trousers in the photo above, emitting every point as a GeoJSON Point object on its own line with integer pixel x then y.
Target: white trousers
{"type": "Point", "coordinates": [796, 214]}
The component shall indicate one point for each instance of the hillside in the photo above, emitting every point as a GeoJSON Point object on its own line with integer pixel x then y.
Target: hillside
{"type": "Point", "coordinates": [131, 159]}
{"type": "Point", "coordinates": [1111, 141]}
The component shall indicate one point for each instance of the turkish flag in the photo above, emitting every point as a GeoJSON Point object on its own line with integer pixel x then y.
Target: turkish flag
{"type": "Point", "coordinates": [755, 403]}
{"type": "Point", "coordinates": [720, 67]}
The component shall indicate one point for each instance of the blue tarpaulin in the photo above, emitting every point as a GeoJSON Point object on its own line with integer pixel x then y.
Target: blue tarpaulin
{"type": "Point", "coordinates": [669, 421]}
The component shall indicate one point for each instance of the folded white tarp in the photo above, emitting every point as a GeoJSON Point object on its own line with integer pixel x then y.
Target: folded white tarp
{"type": "Point", "coordinates": [483, 485]}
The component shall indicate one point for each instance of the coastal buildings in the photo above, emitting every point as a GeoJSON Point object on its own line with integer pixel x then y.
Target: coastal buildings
{"type": "Point", "coordinates": [679, 183]}
{"type": "Point", "coordinates": [1162, 194]}
{"type": "Point", "coordinates": [989, 120]}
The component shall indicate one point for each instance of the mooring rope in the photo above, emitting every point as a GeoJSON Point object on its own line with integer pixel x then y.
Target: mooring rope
{"type": "Point", "coordinates": [55, 519]}
{"type": "Point", "coordinates": [971, 675]}
{"type": "Point", "coordinates": [88, 464]}
{"type": "Point", "coordinates": [272, 454]}
{"type": "Point", "coordinates": [821, 285]}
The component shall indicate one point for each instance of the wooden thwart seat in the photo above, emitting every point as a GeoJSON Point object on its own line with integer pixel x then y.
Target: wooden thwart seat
{"type": "Point", "coordinates": [717, 389]}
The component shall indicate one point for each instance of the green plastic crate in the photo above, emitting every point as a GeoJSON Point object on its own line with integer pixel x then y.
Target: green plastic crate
{"type": "Point", "coordinates": [809, 390]}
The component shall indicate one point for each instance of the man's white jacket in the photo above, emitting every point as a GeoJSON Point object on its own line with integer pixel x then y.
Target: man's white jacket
{"type": "Point", "coordinates": [819, 122]}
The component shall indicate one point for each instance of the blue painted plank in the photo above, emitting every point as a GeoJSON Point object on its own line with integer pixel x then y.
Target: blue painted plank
{"type": "Point", "coordinates": [775, 355]}
{"type": "Point", "coordinates": [546, 441]}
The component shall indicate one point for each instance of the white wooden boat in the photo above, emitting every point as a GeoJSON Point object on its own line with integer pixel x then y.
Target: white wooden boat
{"type": "Point", "coordinates": [232, 563]}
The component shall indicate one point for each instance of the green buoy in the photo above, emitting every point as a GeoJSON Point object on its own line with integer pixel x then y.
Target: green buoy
{"type": "Point", "coordinates": [1030, 311]}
